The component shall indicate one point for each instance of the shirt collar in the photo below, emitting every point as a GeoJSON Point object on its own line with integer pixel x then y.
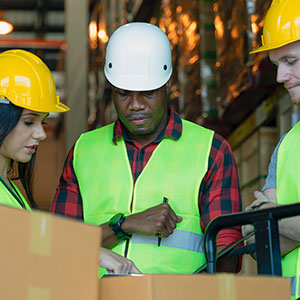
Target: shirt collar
{"type": "Point", "coordinates": [173, 129]}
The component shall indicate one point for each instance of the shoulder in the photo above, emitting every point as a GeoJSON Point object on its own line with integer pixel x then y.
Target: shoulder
{"type": "Point", "coordinates": [96, 133]}
{"type": "Point", "coordinates": [220, 146]}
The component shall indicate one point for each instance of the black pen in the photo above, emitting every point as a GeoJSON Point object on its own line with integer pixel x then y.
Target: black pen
{"type": "Point", "coordinates": [165, 200]}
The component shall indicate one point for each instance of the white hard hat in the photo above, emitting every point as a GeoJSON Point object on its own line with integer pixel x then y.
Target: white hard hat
{"type": "Point", "coordinates": [138, 57]}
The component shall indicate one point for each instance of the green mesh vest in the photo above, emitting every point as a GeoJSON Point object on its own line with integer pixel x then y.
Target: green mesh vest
{"type": "Point", "coordinates": [288, 192]}
{"type": "Point", "coordinates": [175, 170]}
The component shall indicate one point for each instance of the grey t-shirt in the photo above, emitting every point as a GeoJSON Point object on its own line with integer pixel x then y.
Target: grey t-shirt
{"type": "Point", "coordinates": [271, 178]}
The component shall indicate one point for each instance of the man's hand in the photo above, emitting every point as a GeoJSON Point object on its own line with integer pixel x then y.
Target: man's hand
{"type": "Point", "coordinates": [261, 202]}
{"type": "Point", "coordinates": [159, 220]}
{"type": "Point", "coordinates": [116, 264]}
{"type": "Point", "coordinates": [260, 198]}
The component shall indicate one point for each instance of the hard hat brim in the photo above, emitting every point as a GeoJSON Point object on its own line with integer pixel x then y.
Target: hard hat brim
{"type": "Point", "coordinates": [59, 107]}
{"type": "Point", "coordinates": [137, 83]}
{"type": "Point", "coordinates": [265, 48]}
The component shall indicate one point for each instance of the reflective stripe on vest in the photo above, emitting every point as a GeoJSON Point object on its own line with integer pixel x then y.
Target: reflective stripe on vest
{"type": "Point", "coordinates": [288, 192]}
{"type": "Point", "coordinates": [6, 198]}
{"type": "Point", "coordinates": [175, 170]}
{"type": "Point", "coordinates": [178, 239]}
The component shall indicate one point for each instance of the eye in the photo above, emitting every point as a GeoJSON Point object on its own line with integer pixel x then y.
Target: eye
{"type": "Point", "coordinates": [123, 93]}
{"type": "Point", "coordinates": [149, 93]}
{"type": "Point", "coordinates": [291, 61]}
{"type": "Point", "coordinates": [28, 123]}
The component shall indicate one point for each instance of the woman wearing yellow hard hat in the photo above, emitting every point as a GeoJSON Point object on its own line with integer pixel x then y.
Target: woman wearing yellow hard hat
{"type": "Point", "coordinates": [27, 96]}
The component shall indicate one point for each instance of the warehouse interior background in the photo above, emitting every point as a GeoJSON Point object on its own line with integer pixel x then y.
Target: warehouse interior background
{"type": "Point", "coordinates": [215, 82]}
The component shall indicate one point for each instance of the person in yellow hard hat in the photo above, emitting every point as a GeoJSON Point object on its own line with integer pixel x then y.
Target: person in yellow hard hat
{"type": "Point", "coordinates": [281, 38]}
{"type": "Point", "coordinates": [27, 96]}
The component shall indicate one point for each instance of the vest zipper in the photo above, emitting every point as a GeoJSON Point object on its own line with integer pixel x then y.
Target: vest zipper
{"type": "Point", "coordinates": [127, 241]}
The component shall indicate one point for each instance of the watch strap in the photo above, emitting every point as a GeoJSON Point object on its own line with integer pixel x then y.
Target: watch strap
{"type": "Point", "coordinates": [115, 225]}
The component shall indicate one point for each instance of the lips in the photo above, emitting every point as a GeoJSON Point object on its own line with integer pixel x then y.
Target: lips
{"type": "Point", "coordinates": [289, 87]}
{"type": "Point", "coordinates": [31, 149]}
{"type": "Point", "coordinates": [139, 119]}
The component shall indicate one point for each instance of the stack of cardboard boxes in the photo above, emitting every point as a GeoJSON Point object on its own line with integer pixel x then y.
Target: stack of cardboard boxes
{"type": "Point", "coordinates": [46, 257]}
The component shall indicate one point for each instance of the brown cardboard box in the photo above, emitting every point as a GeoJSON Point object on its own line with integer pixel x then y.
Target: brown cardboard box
{"type": "Point", "coordinates": [46, 257]}
{"type": "Point", "coordinates": [194, 287]}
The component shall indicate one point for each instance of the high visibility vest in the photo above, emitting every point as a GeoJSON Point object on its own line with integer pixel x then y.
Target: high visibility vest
{"type": "Point", "coordinates": [7, 198]}
{"type": "Point", "coordinates": [175, 171]}
{"type": "Point", "coordinates": [288, 192]}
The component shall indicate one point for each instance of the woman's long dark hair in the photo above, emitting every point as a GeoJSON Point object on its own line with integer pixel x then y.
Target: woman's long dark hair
{"type": "Point", "coordinates": [9, 117]}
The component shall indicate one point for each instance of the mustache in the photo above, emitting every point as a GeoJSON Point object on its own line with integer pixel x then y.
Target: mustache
{"type": "Point", "coordinates": [137, 116]}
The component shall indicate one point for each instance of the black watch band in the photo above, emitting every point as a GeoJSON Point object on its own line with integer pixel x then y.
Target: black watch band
{"type": "Point", "coordinates": [115, 224]}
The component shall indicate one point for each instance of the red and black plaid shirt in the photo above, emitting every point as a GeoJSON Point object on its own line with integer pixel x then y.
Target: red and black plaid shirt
{"type": "Point", "coordinates": [219, 191]}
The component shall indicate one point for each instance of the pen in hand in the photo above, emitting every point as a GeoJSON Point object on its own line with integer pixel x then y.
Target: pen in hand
{"type": "Point", "coordinates": [165, 200]}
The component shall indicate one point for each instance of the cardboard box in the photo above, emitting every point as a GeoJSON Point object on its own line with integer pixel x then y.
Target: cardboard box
{"type": "Point", "coordinates": [46, 257]}
{"type": "Point", "coordinates": [194, 287]}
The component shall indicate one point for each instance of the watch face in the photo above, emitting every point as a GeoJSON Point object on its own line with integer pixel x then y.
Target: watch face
{"type": "Point", "coordinates": [116, 218]}
{"type": "Point", "coordinates": [115, 224]}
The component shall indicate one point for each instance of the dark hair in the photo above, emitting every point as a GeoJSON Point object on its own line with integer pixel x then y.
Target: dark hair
{"type": "Point", "coordinates": [9, 117]}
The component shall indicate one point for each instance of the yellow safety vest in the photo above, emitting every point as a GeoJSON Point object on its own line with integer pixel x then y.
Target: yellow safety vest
{"type": "Point", "coordinates": [288, 192]}
{"type": "Point", "coordinates": [9, 197]}
{"type": "Point", "coordinates": [175, 170]}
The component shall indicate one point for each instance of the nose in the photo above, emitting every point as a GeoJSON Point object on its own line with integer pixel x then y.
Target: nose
{"type": "Point", "coordinates": [39, 133]}
{"type": "Point", "coordinates": [136, 101]}
{"type": "Point", "coordinates": [282, 74]}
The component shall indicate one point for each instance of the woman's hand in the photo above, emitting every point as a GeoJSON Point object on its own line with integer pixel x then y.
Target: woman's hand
{"type": "Point", "coordinates": [116, 264]}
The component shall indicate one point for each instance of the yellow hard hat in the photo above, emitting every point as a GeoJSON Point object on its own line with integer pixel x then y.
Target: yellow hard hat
{"type": "Point", "coordinates": [26, 81]}
{"type": "Point", "coordinates": [281, 25]}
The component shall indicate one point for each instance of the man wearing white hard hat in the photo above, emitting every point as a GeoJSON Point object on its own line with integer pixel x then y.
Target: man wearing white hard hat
{"type": "Point", "coordinates": [281, 38]}
{"type": "Point", "coordinates": [151, 180]}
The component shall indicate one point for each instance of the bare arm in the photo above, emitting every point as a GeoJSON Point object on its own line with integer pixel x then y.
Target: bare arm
{"type": "Point", "coordinates": [224, 264]}
{"type": "Point", "coordinates": [289, 228]}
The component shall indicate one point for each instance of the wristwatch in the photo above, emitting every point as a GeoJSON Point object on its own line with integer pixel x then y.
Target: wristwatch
{"type": "Point", "coordinates": [115, 224]}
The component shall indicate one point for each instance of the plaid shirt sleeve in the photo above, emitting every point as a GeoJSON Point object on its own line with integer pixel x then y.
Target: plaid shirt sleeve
{"type": "Point", "coordinates": [67, 200]}
{"type": "Point", "coordinates": [219, 191]}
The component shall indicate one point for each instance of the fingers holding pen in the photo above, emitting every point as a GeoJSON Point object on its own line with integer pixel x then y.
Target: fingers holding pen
{"type": "Point", "coordinates": [158, 219]}
{"type": "Point", "coordinates": [168, 220]}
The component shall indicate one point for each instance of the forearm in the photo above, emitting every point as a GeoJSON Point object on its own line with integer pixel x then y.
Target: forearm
{"type": "Point", "coordinates": [290, 228]}
{"type": "Point", "coordinates": [109, 239]}
{"type": "Point", "coordinates": [287, 245]}
{"type": "Point", "coordinates": [225, 264]}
